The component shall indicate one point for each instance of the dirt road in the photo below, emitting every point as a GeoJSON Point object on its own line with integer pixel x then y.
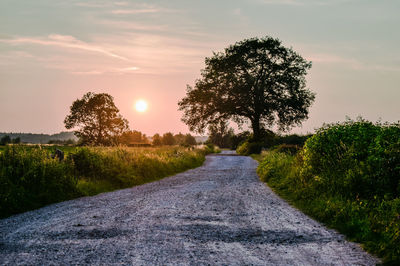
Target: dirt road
{"type": "Point", "coordinates": [219, 213]}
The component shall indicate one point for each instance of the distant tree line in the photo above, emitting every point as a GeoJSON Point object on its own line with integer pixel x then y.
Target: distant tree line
{"type": "Point", "coordinates": [41, 138]}
{"type": "Point", "coordinates": [224, 137]}
{"type": "Point", "coordinates": [62, 142]}
{"type": "Point", "coordinates": [6, 140]}
{"type": "Point", "coordinates": [170, 139]}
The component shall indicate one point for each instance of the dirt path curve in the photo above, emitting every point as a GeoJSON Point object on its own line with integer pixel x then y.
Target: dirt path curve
{"type": "Point", "coordinates": [219, 213]}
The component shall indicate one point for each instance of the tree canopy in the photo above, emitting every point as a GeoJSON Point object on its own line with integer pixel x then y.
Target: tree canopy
{"type": "Point", "coordinates": [168, 139]}
{"type": "Point", "coordinates": [97, 119]}
{"type": "Point", "coordinates": [132, 137]}
{"type": "Point", "coordinates": [255, 80]}
{"type": "Point", "coordinates": [157, 141]}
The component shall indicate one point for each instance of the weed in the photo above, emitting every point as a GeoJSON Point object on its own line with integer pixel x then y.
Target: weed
{"type": "Point", "coordinates": [347, 176]}
{"type": "Point", "coordinates": [30, 178]}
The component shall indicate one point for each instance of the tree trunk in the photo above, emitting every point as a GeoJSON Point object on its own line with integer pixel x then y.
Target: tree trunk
{"type": "Point", "coordinates": [257, 132]}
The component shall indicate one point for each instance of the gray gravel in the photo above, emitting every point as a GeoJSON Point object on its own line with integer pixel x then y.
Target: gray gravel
{"type": "Point", "coordinates": [219, 213]}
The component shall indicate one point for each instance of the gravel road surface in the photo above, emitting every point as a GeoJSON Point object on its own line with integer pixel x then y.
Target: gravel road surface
{"type": "Point", "coordinates": [216, 214]}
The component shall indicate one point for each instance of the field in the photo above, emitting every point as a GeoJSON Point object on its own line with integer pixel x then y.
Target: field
{"type": "Point", "coordinates": [30, 178]}
{"type": "Point", "coordinates": [347, 176]}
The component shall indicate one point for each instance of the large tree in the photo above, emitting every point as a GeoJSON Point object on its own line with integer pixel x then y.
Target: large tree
{"type": "Point", "coordinates": [97, 119]}
{"type": "Point", "coordinates": [255, 80]}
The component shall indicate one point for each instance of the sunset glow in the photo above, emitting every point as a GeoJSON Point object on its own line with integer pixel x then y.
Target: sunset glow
{"type": "Point", "coordinates": [141, 106]}
{"type": "Point", "coordinates": [151, 50]}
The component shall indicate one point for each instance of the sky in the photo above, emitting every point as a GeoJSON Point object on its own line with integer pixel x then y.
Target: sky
{"type": "Point", "coordinates": [54, 51]}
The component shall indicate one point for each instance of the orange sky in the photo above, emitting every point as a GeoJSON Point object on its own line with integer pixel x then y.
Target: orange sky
{"type": "Point", "coordinates": [53, 52]}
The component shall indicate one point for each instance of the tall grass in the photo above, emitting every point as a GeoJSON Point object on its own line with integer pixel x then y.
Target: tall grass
{"type": "Point", "coordinates": [347, 176]}
{"type": "Point", "coordinates": [125, 167]}
{"type": "Point", "coordinates": [30, 178]}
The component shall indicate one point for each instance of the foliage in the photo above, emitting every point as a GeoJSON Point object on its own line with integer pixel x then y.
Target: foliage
{"type": "Point", "coordinates": [248, 148]}
{"type": "Point", "coordinates": [220, 134]}
{"type": "Point", "coordinates": [211, 148]}
{"type": "Point", "coordinates": [287, 148]}
{"type": "Point", "coordinates": [168, 139]}
{"type": "Point", "coordinates": [62, 142]}
{"type": "Point", "coordinates": [189, 140]}
{"type": "Point", "coordinates": [179, 139]}
{"type": "Point", "coordinates": [347, 176]}
{"type": "Point", "coordinates": [29, 178]}
{"type": "Point", "coordinates": [354, 159]}
{"type": "Point", "coordinates": [256, 80]}
{"type": "Point", "coordinates": [132, 137]}
{"type": "Point", "coordinates": [157, 141]}
{"type": "Point", "coordinates": [275, 164]}
{"type": "Point", "coordinates": [184, 140]}
{"type": "Point", "coordinates": [17, 140]}
{"type": "Point", "coordinates": [5, 140]}
{"type": "Point", "coordinates": [39, 138]}
{"type": "Point", "coordinates": [97, 118]}
{"type": "Point", "coordinates": [292, 139]}
{"type": "Point", "coordinates": [238, 139]}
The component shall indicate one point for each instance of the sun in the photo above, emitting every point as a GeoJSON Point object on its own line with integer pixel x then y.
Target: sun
{"type": "Point", "coordinates": [141, 106]}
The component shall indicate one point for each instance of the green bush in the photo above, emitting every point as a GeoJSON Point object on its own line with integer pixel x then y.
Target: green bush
{"type": "Point", "coordinates": [275, 165]}
{"type": "Point", "coordinates": [292, 139]}
{"type": "Point", "coordinates": [287, 148]}
{"type": "Point", "coordinates": [347, 176]}
{"type": "Point", "coordinates": [355, 159]}
{"type": "Point", "coordinates": [29, 179]}
{"type": "Point", "coordinates": [248, 148]}
{"type": "Point", "coordinates": [211, 148]}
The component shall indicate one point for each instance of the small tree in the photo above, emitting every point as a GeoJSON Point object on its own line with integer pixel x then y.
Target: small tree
{"type": "Point", "coordinates": [5, 140]}
{"type": "Point", "coordinates": [97, 119]}
{"type": "Point", "coordinates": [179, 139]}
{"type": "Point", "coordinates": [255, 80]}
{"type": "Point", "coordinates": [17, 140]}
{"type": "Point", "coordinates": [157, 140]}
{"type": "Point", "coordinates": [220, 134]}
{"type": "Point", "coordinates": [145, 139]}
{"type": "Point", "coordinates": [168, 139]}
{"type": "Point", "coordinates": [190, 140]}
{"type": "Point", "coordinates": [239, 138]}
{"type": "Point", "coordinates": [133, 136]}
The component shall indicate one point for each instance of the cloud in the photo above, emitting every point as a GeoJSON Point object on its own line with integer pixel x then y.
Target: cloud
{"type": "Point", "coordinates": [63, 41]}
{"type": "Point", "coordinates": [129, 69]}
{"type": "Point", "coordinates": [282, 2]}
{"type": "Point", "coordinates": [97, 4]}
{"type": "Point", "coordinates": [126, 25]}
{"type": "Point", "coordinates": [91, 4]}
{"type": "Point", "coordinates": [350, 62]}
{"type": "Point", "coordinates": [141, 8]}
{"type": "Point", "coordinates": [126, 70]}
{"type": "Point", "coordinates": [330, 58]}
{"type": "Point", "coordinates": [121, 3]}
{"type": "Point", "coordinates": [136, 11]}
{"type": "Point", "coordinates": [304, 2]}
{"type": "Point", "coordinates": [237, 12]}
{"type": "Point", "coordinates": [163, 29]}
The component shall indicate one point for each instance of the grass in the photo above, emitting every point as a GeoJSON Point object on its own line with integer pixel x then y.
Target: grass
{"type": "Point", "coordinates": [375, 223]}
{"type": "Point", "coordinates": [30, 178]}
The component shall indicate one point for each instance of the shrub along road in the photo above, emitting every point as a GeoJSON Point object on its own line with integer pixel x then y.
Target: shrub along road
{"type": "Point", "coordinates": [219, 213]}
